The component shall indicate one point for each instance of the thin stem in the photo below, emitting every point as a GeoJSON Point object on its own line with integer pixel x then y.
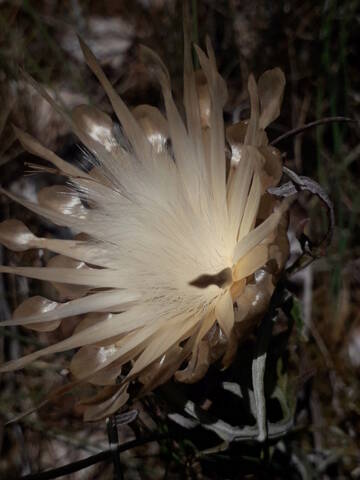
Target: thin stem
{"type": "Point", "coordinates": [92, 460]}
{"type": "Point", "coordinates": [322, 121]}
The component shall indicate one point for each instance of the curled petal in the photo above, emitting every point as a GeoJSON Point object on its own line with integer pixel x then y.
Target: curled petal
{"type": "Point", "coordinates": [165, 338]}
{"type": "Point", "coordinates": [200, 358]}
{"type": "Point", "coordinates": [16, 236]}
{"type": "Point", "coordinates": [251, 262]}
{"type": "Point", "coordinates": [235, 135]}
{"type": "Point", "coordinates": [92, 358]}
{"type": "Point", "coordinates": [162, 369]}
{"type": "Point", "coordinates": [98, 411]}
{"type": "Point", "coordinates": [154, 125]}
{"type": "Point", "coordinates": [198, 364]}
{"type": "Point", "coordinates": [253, 302]}
{"type": "Point", "coordinates": [204, 98]}
{"type": "Point", "coordinates": [94, 318]}
{"type": "Point", "coordinates": [31, 145]}
{"type": "Point", "coordinates": [37, 306]}
{"type": "Point", "coordinates": [63, 200]}
{"type": "Point", "coordinates": [95, 123]}
{"type": "Point", "coordinates": [272, 168]}
{"type": "Point", "coordinates": [68, 291]}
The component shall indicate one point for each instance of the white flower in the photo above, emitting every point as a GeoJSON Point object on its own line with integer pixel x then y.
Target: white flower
{"type": "Point", "coordinates": [174, 238]}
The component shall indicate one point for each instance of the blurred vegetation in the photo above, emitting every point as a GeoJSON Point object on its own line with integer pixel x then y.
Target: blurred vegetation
{"type": "Point", "coordinates": [316, 44]}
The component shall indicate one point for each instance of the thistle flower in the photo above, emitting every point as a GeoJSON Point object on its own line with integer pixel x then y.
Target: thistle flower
{"type": "Point", "coordinates": [178, 243]}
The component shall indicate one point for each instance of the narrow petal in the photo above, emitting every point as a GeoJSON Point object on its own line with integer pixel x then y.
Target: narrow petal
{"type": "Point", "coordinates": [251, 262]}
{"type": "Point", "coordinates": [102, 330]}
{"type": "Point", "coordinates": [165, 338]}
{"type": "Point", "coordinates": [90, 277]}
{"type": "Point", "coordinates": [252, 207]}
{"type": "Point", "coordinates": [238, 191]}
{"type": "Point", "coordinates": [271, 87]}
{"type": "Point", "coordinates": [224, 313]}
{"type": "Point", "coordinates": [217, 137]}
{"type": "Point", "coordinates": [259, 233]}
{"type": "Point", "coordinates": [45, 312]}
{"type": "Point", "coordinates": [33, 146]}
{"type": "Point", "coordinates": [132, 129]}
{"type": "Point", "coordinates": [104, 409]}
{"type": "Point", "coordinates": [252, 133]}
{"type": "Point", "coordinates": [186, 160]}
{"type": "Point", "coordinates": [191, 99]}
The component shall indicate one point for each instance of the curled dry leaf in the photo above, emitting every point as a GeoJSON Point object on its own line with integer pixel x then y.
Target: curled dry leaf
{"type": "Point", "coordinates": [299, 183]}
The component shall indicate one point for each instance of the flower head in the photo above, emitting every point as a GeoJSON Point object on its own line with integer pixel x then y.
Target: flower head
{"type": "Point", "coordinates": [177, 244]}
